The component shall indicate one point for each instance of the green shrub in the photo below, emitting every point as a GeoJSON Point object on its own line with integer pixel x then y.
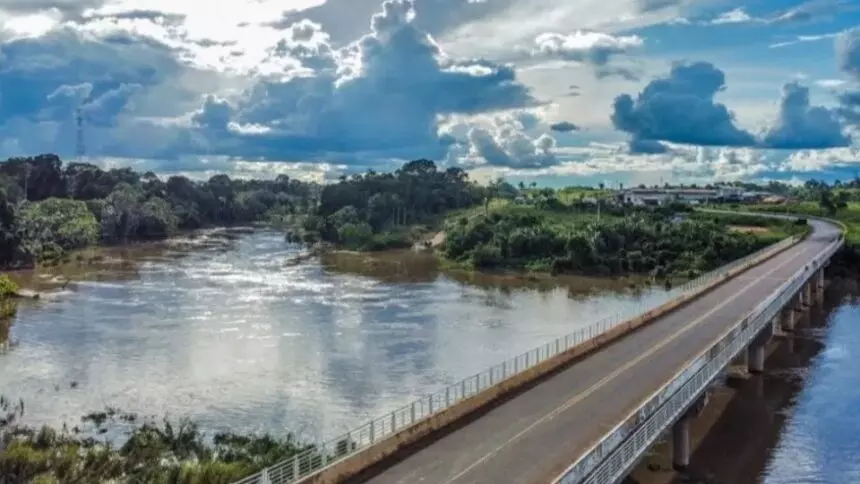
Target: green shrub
{"type": "Point", "coordinates": [154, 452]}
{"type": "Point", "coordinates": [8, 287]}
{"type": "Point", "coordinates": [56, 225]}
{"type": "Point", "coordinates": [642, 242]}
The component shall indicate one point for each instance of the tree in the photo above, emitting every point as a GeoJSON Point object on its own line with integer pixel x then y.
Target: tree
{"type": "Point", "coordinates": [825, 199]}
{"type": "Point", "coordinates": [40, 177]}
{"type": "Point", "coordinates": [355, 235]}
{"type": "Point", "coordinates": [156, 219]}
{"type": "Point", "coordinates": [10, 240]}
{"type": "Point", "coordinates": [121, 214]}
{"type": "Point", "coordinates": [55, 225]}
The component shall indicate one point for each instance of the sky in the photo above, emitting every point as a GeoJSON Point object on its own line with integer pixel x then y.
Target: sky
{"type": "Point", "coordinates": [554, 91]}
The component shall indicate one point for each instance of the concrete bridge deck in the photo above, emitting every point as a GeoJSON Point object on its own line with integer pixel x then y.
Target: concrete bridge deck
{"type": "Point", "coordinates": [535, 435]}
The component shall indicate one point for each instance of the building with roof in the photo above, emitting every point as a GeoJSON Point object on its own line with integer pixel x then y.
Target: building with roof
{"type": "Point", "coordinates": [693, 196]}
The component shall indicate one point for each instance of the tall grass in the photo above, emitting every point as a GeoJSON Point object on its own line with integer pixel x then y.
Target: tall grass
{"type": "Point", "coordinates": [157, 452]}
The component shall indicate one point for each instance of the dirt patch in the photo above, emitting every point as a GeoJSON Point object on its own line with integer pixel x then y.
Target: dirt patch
{"type": "Point", "coordinates": [749, 229]}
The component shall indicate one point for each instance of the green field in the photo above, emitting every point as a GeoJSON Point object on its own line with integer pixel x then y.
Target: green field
{"type": "Point", "coordinates": [850, 216]}
{"type": "Point", "coordinates": [566, 215]}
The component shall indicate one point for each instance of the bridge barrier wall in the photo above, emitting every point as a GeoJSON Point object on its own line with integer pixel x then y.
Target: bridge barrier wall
{"type": "Point", "coordinates": [380, 438]}
{"type": "Point", "coordinates": [611, 459]}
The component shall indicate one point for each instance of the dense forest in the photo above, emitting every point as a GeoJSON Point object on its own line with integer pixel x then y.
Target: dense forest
{"type": "Point", "coordinates": [48, 209]}
{"type": "Point", "coordinates": [383, 210]}
{"type": "Point", "coordinates": [662, 243]}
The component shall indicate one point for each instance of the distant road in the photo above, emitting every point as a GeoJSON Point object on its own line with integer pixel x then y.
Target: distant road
{"type": "Point", "coordinates": [536, 435]}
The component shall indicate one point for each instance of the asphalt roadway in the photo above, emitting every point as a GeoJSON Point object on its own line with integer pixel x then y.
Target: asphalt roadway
{"type": "Point", "coordinates": [535, 435]}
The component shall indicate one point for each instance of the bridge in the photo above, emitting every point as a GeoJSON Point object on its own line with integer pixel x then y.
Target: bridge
{"type": "Point", "coordinates": [586, 407]}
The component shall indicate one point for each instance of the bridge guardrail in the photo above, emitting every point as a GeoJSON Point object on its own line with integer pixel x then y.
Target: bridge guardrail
{"type": "Point", "coordinates": [322, 455]}
{"type": "Point", "coordinates": [612, 458]}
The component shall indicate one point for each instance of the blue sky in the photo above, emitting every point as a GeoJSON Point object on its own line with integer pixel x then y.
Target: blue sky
{"type": "Point", "coordinates": [584, 91]}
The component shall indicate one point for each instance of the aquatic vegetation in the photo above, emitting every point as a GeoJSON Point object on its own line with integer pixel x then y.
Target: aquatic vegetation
{"type": "Point", "coordinates": [8, 287]}
{"type": "Point", "coordinates": [152, 451]}
{"type": "Point", "coordinates": [8, 305]}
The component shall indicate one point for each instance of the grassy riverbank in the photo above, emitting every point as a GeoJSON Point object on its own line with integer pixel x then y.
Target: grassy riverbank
{"type": "Point", "coordinates": [150, 450]}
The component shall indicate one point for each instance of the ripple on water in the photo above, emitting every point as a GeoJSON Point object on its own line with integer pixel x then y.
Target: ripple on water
{"type": "Point", "coordinates": [230, 336]}
{"type": "Point", "coordinates": [819, 444]}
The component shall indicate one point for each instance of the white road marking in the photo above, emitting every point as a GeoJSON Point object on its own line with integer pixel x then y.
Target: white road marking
{"type": "Point", "coordinates": [583, 395]}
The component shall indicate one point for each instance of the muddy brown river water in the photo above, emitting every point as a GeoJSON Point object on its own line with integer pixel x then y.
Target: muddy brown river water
{"type": "Point", "coordinates": [224, 328]}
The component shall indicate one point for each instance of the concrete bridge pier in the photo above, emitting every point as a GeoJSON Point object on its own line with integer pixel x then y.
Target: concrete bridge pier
{"type": "Point", "coordinates": [807, 295]}
{"type": "Point", "coordinates": [788, 318]}
{"type": "Point", "coordinates": [681, 443]}
{"type": "Point", "coordinates": [755, 360]}
{"type": "Point", "coordinates": [681, 433]}
{"type": "Point", "coordinates": [818, 286]}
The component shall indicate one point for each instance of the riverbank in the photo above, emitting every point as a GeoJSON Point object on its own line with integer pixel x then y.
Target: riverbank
{"type": "Point", "coordinates": [663, 242]}
{"type": "Point", "coordinates": [643, 245]}
{"type": "Point", "coordinates": [113, 446]}
{"type": "Point", "coordinates": [87, 262]}
{"type": "Point", "coordinates": [232, 337]}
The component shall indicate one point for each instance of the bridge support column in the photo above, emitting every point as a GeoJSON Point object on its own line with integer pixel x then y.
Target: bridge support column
{"type": "Point", "coordinates": [755, 360]}
{"type": "Point", "coordinates": [681, 443]}
{"type": "Point", "coordinates": [818, 286]}
{"type": "Point", "coordinates": [681, 432]}
{"type": "Point", "coordinates": [807, 294]}
{"type": "Point", "coordinates": [788, 318]}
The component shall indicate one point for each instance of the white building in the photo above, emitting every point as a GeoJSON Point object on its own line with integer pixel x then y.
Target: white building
{"type": "Point", "coordinates": [658, 196]}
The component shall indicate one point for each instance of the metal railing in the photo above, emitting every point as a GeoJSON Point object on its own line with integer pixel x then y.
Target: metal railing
{"type": "Point", "coordinates": [611, 459]}
{"type": "Point", "coordinates": [374, 431]}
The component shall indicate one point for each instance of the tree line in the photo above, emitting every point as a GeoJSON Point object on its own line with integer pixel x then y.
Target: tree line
{"type": "Point", "coordinates": [48, 208]}
{"type": "Point", "coordinates": [641, 241]}
{"type": "Point", "coordinates": [382, 210]}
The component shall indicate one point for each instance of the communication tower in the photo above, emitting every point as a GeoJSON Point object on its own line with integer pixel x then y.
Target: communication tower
{"type": "Point", "coordinates": [80, 149]}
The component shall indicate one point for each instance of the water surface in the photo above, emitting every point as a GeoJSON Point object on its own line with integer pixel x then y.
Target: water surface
{"type": "Point", "coordinates": [820, 443]}
{"type": "Point", "coordinates": [795, 424]}
{"type": "Point", "coordinates": [228, 329]}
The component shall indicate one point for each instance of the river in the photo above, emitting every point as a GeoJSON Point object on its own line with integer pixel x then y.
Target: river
{"type": "Point", "coordinates": [222, 328]}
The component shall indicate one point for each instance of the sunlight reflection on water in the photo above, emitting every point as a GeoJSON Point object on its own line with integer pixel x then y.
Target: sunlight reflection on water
{"type": "Point", "coordinates": [221, 329]}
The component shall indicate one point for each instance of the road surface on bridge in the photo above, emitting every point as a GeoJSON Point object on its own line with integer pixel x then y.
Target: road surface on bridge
{"type": "Point", "coordinates": [536, 435]}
